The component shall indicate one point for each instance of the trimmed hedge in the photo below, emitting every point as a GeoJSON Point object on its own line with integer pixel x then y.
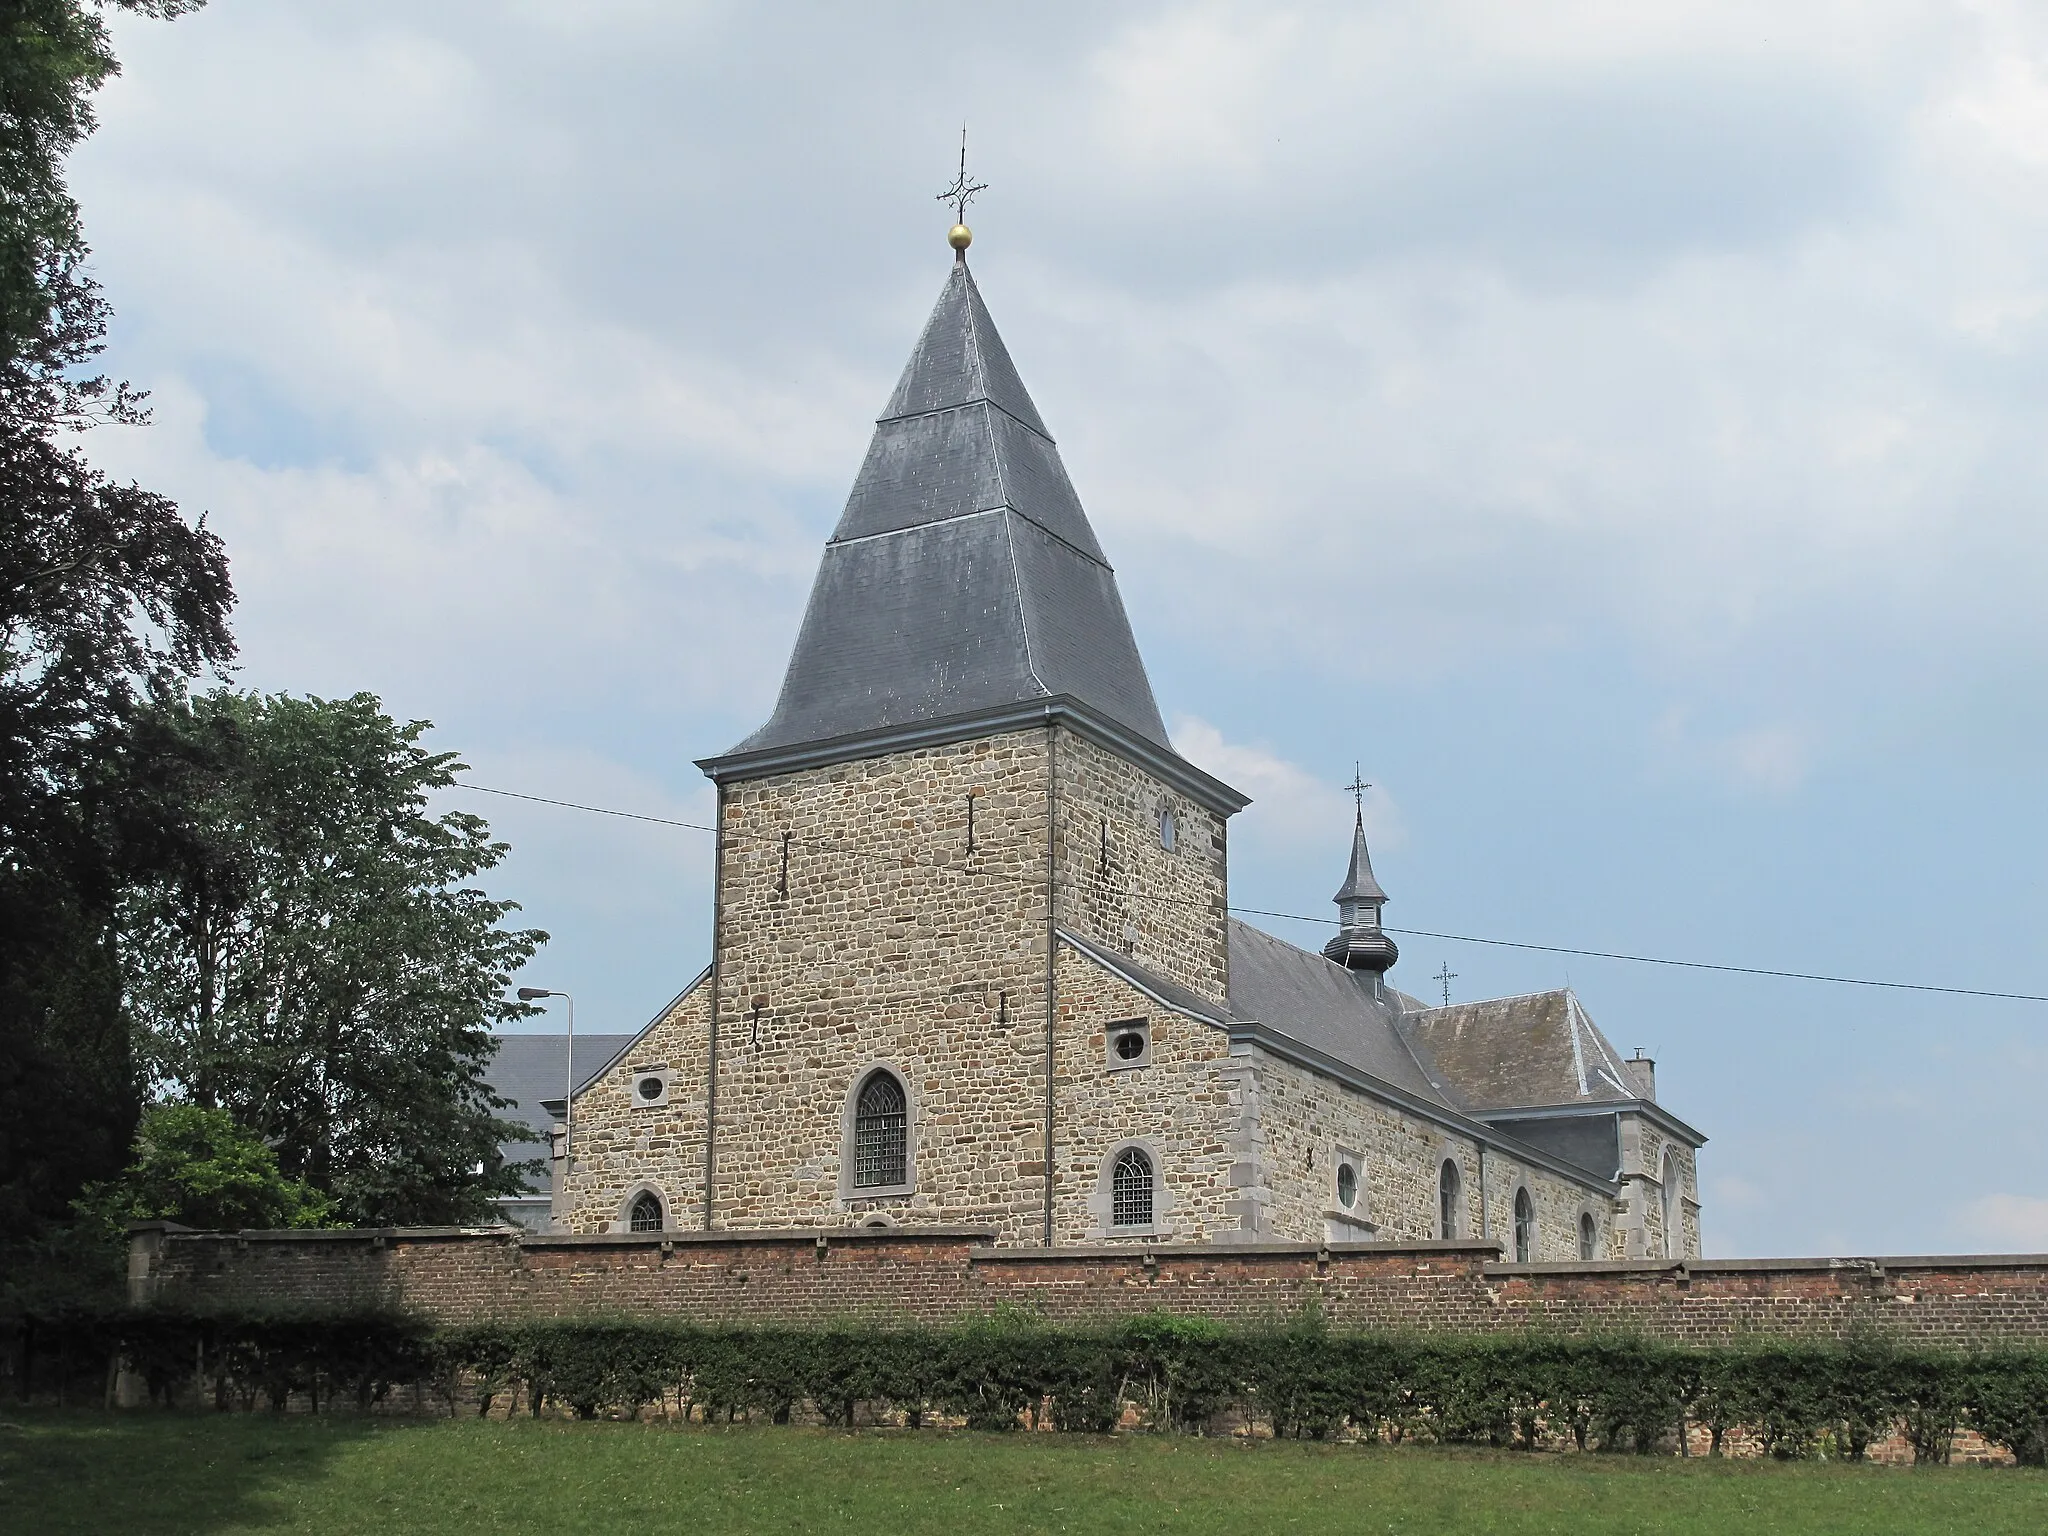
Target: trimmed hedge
{"type": "Point", "coordinates": [1791, 1398]}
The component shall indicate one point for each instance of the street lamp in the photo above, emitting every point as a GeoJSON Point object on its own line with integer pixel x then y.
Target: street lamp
{"type": "Point", "coordinates": [530, 994]}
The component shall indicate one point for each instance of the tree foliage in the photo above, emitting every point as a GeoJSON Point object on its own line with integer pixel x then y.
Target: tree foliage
{"type": "Point", "coordinates": [109, 598]}
{"type": "Point", "coordinates": [198, 1167]}
{"type": "Point", "coordinates": [316, 959]}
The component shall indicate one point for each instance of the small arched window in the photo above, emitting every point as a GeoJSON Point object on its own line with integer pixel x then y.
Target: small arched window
{"type": "Point", "coordinates": [1449, 1188]}
{"type": "Point", "coordinates": [645, 1212]}
{"type": "Point", "coordinates": [1525, 1226]}
{"type": "Point", "coordinates": [1674, 1215]}
{"type": "Point", "coordinates": [1130, 1189]}
{"type": "Point", "coordinates": [1169, 832]}
{"type": "Point", "coordinates": [1589, 1235]}
{"type": "Point", "coordinates": [881, 1140]}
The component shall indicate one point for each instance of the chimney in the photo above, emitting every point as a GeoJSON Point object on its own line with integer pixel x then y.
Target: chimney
{"type": "Point", "coordinates": [1644, 1072]}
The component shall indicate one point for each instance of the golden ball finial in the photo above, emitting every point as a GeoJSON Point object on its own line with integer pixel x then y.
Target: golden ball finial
{"type": "Point", "coordinates": [959, 237]}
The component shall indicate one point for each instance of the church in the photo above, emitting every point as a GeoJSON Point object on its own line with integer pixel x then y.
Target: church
{"type": "Point", "coordinates": [973, 962]}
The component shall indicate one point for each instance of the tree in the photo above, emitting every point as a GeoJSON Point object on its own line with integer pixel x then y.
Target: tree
{"type": "Point", "coordinates": [109, 599]}
{"type": "Point", "coordinates": [197, 1167]}
{"type": "Point", "coordinates": [317, 961]}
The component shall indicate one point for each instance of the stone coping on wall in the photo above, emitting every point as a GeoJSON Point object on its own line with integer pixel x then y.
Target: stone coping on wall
{"type": "Point", "coordinates": [718, 1237]}
{"type": "Point", "coordinates": [1699, 1267]}
{"type": "Point", "coordinates": [1153, 1252]}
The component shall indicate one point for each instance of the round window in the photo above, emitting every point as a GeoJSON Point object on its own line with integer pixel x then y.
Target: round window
{"type": "Point", "coordinates": [1347, 1185]}
{"type": "Point", "coordinates": [1130, 1045]}
{"type": "Point", "coordinates": [650, 1087]}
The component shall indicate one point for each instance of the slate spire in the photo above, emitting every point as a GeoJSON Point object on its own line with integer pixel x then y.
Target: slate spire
{"type": "Point", "coordinates": [963, 576]}
{"type": "Point", "coordinates": [1361, 943]}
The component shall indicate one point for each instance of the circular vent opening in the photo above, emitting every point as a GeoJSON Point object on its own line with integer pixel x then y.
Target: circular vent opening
{"type": "Point", "coordinates": [650, 1087]}
{"type": "Point", "coordinates": [1347, 1185]}
{"type": "Point", "coordinates": [1130, 1045]}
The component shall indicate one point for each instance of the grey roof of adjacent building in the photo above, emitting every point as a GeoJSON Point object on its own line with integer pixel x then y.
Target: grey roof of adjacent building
{"type": "Point", "coordinates": [1512, 1052]}
{"type": "Point", "coordinates": [527, 1069]}
{"type": "Point", "coordinates": [963, 575]}
{"type": "Point", "coordinates": [1324, 1006]}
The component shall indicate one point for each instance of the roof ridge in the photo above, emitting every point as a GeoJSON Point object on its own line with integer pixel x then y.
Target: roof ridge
{"type": "Point", "coordinates": [1512, 997]}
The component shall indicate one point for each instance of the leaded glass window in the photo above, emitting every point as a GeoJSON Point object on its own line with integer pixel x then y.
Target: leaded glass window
{"type": "Point", "coordinates": [1525, 1226]}
{"type": "Point", "coordinates": [645, 1215]}
{"type": "Point", "coordinates": [881, 1135]}
{"type": "Point", "coordinates": [1130, 1189]}
{"type": "Point", "coordinates": [1448, 1188]}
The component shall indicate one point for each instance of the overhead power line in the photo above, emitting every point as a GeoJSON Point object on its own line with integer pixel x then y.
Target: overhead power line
{"type": "Point", "coordinates": [1330, 922]}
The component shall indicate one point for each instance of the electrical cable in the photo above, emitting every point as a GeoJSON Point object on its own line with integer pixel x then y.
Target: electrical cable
{"type": "Point", "coordinates": [1298, 917]}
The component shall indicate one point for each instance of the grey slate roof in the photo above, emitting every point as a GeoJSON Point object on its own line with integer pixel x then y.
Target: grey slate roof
{"type": "Point", "coordinates": [1511, 1052]}
{"type": "Point", "coordinates": [528, 1068]}
{"type": "Point", "coordinates": [963, 575]}
{"type": "Point", "coordinates": [1324, 1006]}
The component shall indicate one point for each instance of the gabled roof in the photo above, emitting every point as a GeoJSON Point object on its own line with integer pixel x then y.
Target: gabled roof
{"type": "Point", "coordinates": [1512, 1052]}
{"type": "Point", "coordinates": [1323, 1005]}
{"type": "Point", "coordinates": [963, 576]}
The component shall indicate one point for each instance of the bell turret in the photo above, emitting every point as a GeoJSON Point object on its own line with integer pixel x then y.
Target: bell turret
{"type": "Point", "coordinates": [1361, 944]}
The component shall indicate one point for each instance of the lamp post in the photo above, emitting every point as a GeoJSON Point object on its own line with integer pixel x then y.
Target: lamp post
{"type": "Point", "coordinates": [530, 994]}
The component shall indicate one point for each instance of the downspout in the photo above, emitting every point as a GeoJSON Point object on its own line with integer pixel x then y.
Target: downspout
{"type": "Point", "coordinates": [1052, 829]}
{"type": "Point", "coordinates": [717, 955]}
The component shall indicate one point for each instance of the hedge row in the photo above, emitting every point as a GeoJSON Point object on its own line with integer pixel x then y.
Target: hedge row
{"type": "Point", "coordinates": [1790, 1398]}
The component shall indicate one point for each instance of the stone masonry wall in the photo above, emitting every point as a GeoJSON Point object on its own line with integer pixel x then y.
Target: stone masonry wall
{"type": "Point", "coordinates": [1181, 1109]}
{"type": "Point", "coordinates": [884, 940]}
{"type": "Point", "coordinates": [622, 1148]}
{"type": "Point", "coordinates": [1165, 908]}
{"type": "Point", "coordinates": [1304, 1122]}
{"type": "Point", "coordinates": [860, 929]}
{"type": "Point", "coordinates": [939, 1275]}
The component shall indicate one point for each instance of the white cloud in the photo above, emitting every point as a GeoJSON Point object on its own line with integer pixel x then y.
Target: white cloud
{"type": "Point", "coordinates": [2004, 1224]}
{"type": "Point", "coordinates": [1291, 807]}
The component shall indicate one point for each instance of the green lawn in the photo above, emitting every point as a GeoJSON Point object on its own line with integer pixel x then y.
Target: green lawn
{"type": "Point", "coordinates": [141, 1473]}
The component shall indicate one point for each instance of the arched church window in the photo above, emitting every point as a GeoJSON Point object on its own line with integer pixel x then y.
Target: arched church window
{"type": "Point", "coordinates": [1674, 1215]}
{"type": "Point", "coordinates": [645, 1212]}
{"type": "Point", "coordinates": [1130, 1189]}
{"type": "Point", "coordinates": [1589, 1235]}
{"type": "Point", "coordinates": [1525, 1226]}
{"type": "Point", "coordinates": [1449, 1189]}
{"type": "Point", "coordinates": [881, 1140]}
{"type": "Point", "coordinates": [1169, 834]}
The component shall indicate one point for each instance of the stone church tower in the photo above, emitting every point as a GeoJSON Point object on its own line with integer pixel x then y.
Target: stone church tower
{"type": "Point", "coordinates": [972, 958]}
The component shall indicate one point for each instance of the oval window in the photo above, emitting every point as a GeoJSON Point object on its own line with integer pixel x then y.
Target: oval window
{"type": "Point", "coordinates": [1130, 1045]}
{"type": "Point", "coordinates": [1347, 1185]}
{"type": "Point", "coordinates": [650, 1087]}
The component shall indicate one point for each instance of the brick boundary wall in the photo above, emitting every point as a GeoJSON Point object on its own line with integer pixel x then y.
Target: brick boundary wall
{"type": "Point", "coordinates": [937, 1275]}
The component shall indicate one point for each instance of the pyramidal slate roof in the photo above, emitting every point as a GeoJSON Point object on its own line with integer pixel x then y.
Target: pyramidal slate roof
{"type": "Point", "coordinates": [1359, 885]}
{"type": "Point", "coordinates": [963, 576]}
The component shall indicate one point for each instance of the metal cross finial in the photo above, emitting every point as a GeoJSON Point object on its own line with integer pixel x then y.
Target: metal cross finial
{"type": "Point", "coordinates": [1446, 976]}
{"type": "Point", "coordinates": [961, 193]}
{"type": "Point", "coordinates": [1358, 787]}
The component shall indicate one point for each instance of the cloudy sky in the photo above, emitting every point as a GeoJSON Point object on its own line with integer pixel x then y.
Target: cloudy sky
{"type": "Point", "coordinates": [1620, 426]}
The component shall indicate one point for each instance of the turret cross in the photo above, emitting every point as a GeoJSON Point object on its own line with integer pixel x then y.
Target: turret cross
{"type": "Point", "coordinates": [1358, 786]}
{"type": "Point", "coordinates": [1446, 975]}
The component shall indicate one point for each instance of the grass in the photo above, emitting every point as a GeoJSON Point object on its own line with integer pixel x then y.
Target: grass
{"type": "Point", "coordinates": [143, 1473]}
